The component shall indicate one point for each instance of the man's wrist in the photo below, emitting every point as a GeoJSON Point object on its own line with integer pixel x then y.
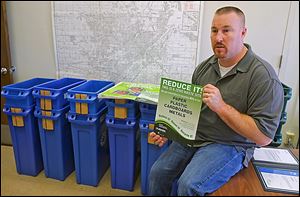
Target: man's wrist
{"type": "Point", "coordinates": [223, 109]}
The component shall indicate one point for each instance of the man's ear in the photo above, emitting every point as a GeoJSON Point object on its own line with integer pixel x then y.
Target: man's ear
{"type": "Point", "coordinates": [244, 32]}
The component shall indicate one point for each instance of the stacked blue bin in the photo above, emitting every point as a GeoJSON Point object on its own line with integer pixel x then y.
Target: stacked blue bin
{"type": "Point", "coordinates": [89, 131]}
{"type": "Point", "coordinates": [55, 132]}
{"type": "Point", "coordinates": [149, 151]}
{"type": "Point", "coordinates": [19, 107]}
{"type": "Point", "coordinates": [122, 121]}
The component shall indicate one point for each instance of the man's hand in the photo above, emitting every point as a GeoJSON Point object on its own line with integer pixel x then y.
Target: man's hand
{"type": "Point", "coordinates": [212, 97]}
{"type": "Point", "coordinates": [157, 139]}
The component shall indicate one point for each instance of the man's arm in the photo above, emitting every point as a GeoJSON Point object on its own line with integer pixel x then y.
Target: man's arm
{"type": "Point", "coordinates": [243, 125]}
{"type": "Point", "coordinates": [240, 123]}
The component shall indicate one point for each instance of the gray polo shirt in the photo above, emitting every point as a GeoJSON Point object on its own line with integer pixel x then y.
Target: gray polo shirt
{"type": "Point", "coordinates": [251, 87]}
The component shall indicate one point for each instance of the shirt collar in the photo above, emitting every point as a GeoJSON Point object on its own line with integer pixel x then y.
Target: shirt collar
{"type": "Point", "coordinates": [242, 66]}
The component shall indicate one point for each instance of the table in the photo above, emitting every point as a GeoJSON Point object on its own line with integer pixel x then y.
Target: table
{"type": "Point", "coordinates": [246, 183]}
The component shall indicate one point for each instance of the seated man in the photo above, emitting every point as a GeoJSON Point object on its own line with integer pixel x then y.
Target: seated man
{"type": "Point", "coordinates": [243, 99]}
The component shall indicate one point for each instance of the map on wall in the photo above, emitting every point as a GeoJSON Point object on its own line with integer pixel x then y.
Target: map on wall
{"type": "Point", "coordinates": [133, 41]}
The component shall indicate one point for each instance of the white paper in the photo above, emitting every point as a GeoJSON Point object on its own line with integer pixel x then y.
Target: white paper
{"type": "Point", "coordinates": [280, 179]}
{"type": "Point", "coordinates": [274, 155]}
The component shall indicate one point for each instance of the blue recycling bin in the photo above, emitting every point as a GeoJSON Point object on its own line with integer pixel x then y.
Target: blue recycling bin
{"type": "Point", "coordinates": [90, 145]}
{"type": "Point", "coordinates": [52, 95]}
{"type": "Point", "coordinates": [149, 152]}
{"type": "Point", "coordinates": [20, 94]}
{"type": "Point", "coordinates": [56, 141]}
{"type": "Point", "coordinates": [25, 139]}
{"type": "Point", "coordinates": [128, 109]}
{"type": "Point", "coordinates": [148, 111]}
{"type": "Point", "coordinates": [124, 160]}
{"type": "Point", "coordinates": [84, 98]}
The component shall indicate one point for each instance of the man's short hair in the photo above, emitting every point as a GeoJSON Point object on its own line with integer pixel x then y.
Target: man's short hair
{"type": "Point", "coordinates": [229, 9]}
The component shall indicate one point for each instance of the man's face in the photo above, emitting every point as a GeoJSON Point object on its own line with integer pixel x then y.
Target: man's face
{"type": "Point", "coordinates": [227, 35]}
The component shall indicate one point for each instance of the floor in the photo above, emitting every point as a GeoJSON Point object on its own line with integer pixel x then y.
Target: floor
{"type": "Point", "coordinates": [13, 184]}
{"type": "Point", "coordinates": [5, 135]}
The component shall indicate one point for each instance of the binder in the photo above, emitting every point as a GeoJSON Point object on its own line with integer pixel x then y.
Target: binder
{"type": "Point", "coordinates": [277, 169]}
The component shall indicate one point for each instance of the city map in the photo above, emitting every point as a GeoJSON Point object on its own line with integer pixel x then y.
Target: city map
{"type": "Point", "coordinates": [133, 41]}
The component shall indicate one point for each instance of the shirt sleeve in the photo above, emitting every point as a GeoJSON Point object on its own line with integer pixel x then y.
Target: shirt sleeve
{"type": "Point", "coordinates": [265, 103]}
{"type": "Point", "coordinates": [195, 74]}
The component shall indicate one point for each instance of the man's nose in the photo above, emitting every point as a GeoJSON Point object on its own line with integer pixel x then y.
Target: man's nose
{"type": "Point", "coordinates": [219, 36]}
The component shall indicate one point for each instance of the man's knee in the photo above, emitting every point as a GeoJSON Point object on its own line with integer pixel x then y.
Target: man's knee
{"type": "Point", "coordinates": [186, 187]}
{"type": "Point", "coordinates": [154, 172]}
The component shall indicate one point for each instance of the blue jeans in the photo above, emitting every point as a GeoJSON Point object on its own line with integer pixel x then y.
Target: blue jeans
{"type": "Point", "coordinates": [200, 170]}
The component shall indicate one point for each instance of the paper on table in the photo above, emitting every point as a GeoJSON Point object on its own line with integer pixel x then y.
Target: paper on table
{"type": "Point", "coordinates": [274, 155]}
{"type": "Point", "coordinates": [280, 178]}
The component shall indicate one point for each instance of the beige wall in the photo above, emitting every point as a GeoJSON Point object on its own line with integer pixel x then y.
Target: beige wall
{"type": "Point", "coordinates": [32, 48]}
{"type": "Point", "coordinates": [31, 40]}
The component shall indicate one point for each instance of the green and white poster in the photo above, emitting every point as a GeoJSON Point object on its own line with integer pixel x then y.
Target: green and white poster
{"type": "Point", "coordinates": [178, 111]}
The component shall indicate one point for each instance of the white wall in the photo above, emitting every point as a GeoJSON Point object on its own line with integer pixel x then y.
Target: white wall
{"type": "Point", "coordinates": [31, 40]}
{"type": "Point", "coordinates": [290, 72]}
{"type": "Point", "coordinates": [32, 49]}
{"type": "Point", "coordinates": [261, 23]}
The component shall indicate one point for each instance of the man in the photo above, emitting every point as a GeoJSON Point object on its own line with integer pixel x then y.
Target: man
{"type": "Point", "coordinates": [243, 99]}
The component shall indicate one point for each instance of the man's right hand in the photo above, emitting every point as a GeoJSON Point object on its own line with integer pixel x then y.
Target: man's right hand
{"type": "Point", "coordinates": [157, 139]}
